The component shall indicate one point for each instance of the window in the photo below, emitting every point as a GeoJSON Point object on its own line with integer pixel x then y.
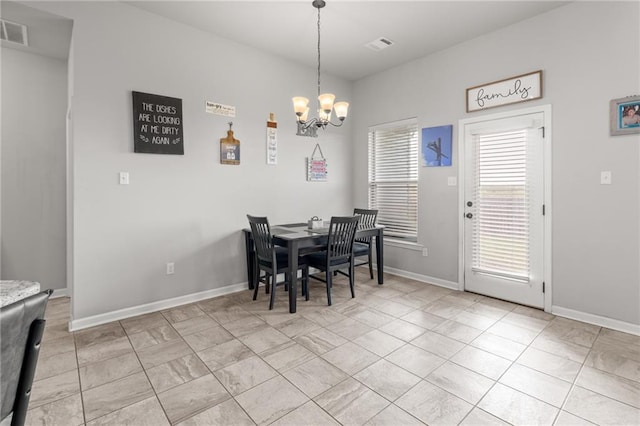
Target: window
{"type": "Point", "coordinates": [393, 177]}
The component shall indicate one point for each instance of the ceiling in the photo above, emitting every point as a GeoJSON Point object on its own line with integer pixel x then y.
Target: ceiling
{"type": "Point", "coordinates": [288, 28]}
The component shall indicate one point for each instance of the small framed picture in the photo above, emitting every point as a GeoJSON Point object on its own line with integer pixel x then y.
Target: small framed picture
{"type": "Point", "coordinates": [624, 115]}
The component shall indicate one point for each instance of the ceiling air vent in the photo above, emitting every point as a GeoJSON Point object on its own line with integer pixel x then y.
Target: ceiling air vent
{"type": "Point", "coordinates": [379, 44]}
{"type": "Point", "coordinates": [13, 32]}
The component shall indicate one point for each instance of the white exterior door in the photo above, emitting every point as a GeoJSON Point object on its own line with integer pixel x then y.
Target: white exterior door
{"type": "Point", "coordinates": [503, 206]}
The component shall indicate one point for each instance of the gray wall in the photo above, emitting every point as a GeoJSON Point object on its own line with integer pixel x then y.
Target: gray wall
{"type": "Point", "coordinates": [33, 168]}
{"type": "Point", "coordinates": [590, 54]}
{"type": "Point", "coordinates": [185, 209]}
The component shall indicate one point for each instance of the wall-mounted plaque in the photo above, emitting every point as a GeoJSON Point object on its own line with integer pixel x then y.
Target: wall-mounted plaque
{"type": "Point", "coordinates": [521, 88]}
{"type": "Point", "coordinates": [157, 124]}
{"type": "Point", "coordinates": [229, 148]}
{"type": "Point", "coordinates": [317, 166]}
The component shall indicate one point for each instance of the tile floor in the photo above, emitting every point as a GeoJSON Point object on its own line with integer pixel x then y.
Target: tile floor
{"type": "Point", "coordinates": [405, 353]}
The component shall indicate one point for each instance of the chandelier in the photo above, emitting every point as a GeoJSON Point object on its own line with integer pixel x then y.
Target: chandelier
{"type": "Point", "coordinates": [309, 127]}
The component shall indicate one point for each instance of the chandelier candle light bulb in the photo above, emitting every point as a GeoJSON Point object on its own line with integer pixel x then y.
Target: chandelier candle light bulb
{"type": "Point", "coordinates": [326, 101]}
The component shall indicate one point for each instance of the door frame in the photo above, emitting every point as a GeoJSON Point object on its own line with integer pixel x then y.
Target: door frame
{"type": "Point", "coordinates": [547, 246]}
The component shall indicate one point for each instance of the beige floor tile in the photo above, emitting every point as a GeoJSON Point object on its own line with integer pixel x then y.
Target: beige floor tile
{"type": "Point", "coordinates": [394, 309]}
{"type": "Point", "coordinates": [526, 321]}
{"type": "Point", "coordinates": [534, 313]}
{"type": "Point", "coordinates": [599, 409]}
{"type": "Point", "coordinates": [143, 322]}
{"type": "Point", "coordinates": [423, 319]}
{"type": "Point", "coordinates": [263, 340]}
{"type": "Point", "coordinates": [415, 360]}
{"type": "Point", "coordinates": [99, 373]}
{"type": "Point", "coordinates": [315, 376]}
{"type": "Point", "coordinates": [568, 419]}
{"type": "Point", "coordinates": [550, 364]}
{"type": "Point", "coordinates": [104, 350]}
{"type": "Point", "coordinates": [393, 416]}
{"type": "Point", "coordinates": [403, 330]}
{"type": "Point", "coordinates": [487, 310]}
{"type": "Point", "coordinates": [193, 397]}
{"type": "Point", "coordinates": [245, 374]}
{"type": "Point", "coordinates": [612, 361]}
{"type": "Point", "coordinates": [460, 381]}
{"type": "Point", "coordinates": [55, 330]}
{"type": "Point", "coordinates": [438, 344]}
{"type": "Point", "coordinates": [147, 412]}
{"type": "Point", "coordinates": [229, 314]}
{"type": "Point", "coordinates": [54, 388]}
{"type": "Point", "coordinates": [351, 402]}
{"type": "Point", "coordinates": [297, 327]}
{"type": "Point", "coordinates": [619, 336]}
{"type": "Point", "coordinates": [223, 414]}
{"type": "Point", "coordinates": [208, 338]}
{"type": "Point", "coordinates": [113, 396]}
{"type": "Point", "coordinates": [64, 412]}
{"type": "Point", "coordinates": [224, 354]}
{"type": "Point", "coordinates": [444, 308]}
{"type": "Point", "coordinates": [350, 328]}
{"type": "Point", "coordinates": [517, 408]}
{"type": "Point", "coordinates": [182, 313]}
{"type": "Point", "coordinates": [628, 350]}
{"type": "Point", "coordinates": [457, 331]}
{"type": "Point", "coordinates": [271, 400]}
{"type": "Point", "coordinates": [305, 414]}
{"type": "Point", "coordinates": [350, 357]}
{"type": "Point", "coordinates": [99, 334]}
{"type": "Point", "coordinates": [320, 341]}
{"type": "Point", "coordinates": [153, 336]}
{"type": "Point", "coordinates": [58, 346]}
{"type": "Point", "coordinates": [163, 352]}
{"type": "Point", "coordinates": [288, 357]}
{"type": "Point", "coordinates": [387, 379]}
{"type": "Point", "coordinates": [612, 386]}
{"type": "Point", "coordinates": [411, 301]}
{"type": "Point", "coordinates": [479, 417]}
{"type": "Point", "coordinates": [56, 364]}
{"type": "Point", "coordinates": [373, 318]}
{"type": "Point", "coordinates": [379, 343]}
{"type": "Point", "coordinates": [474, 320]}
{"type": "Point", "coordinates": [194, 325]}
{"type": "Point", "coordinates": [536, 384]}
{"type": "Point", "coordinates": [500, 346]}
{"type": "Point", "coordinates": [561, 348]}
{"type": "Point", "coordinates": [176, 372]}
{"type": "Point", "coordinates": [325, 317]}
{"type": "Point", "coordinates": [572, 331]}
{"type": "Point", "coordinates": [513, 332]}
{"type": "Point", "coordinates": [434, 406]}
{"type": "Point", "coordinates": [482, 362]}
{"type": "Point", "coordinates": [246, 325]}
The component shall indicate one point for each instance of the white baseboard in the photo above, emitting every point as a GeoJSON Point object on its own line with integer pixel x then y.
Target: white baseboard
{"type": "Point", "coordinates": [422, 278]}
{"type": "Point", "coordinates": [133, 311]}
{"type": "Point", "coordinates": [60, 292]}
{"type": "Point", "coordinates": [601, 321]}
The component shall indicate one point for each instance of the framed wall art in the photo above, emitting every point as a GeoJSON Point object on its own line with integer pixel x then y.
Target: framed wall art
{"type": "Point", "coordinates": [436, 146]}
{"type": "Point", "coordinates": [624, 115]}
{"type": "Point", "coordinates": [521, 88]}
{"type": "Point", "coordinates": [157, 124]}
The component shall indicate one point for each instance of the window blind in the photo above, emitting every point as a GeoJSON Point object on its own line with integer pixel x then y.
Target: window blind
{"type": "Point", "coordinates": [393, 178]}
{"type": "Point", "coordinates": [501, 225]}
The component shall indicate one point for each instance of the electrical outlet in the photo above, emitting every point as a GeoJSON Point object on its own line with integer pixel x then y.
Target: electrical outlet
{"type": "Point", "coordinates": [124, 178]}
{"type": "Point", "coordinates": [425, 252]}
{"type": "Point", "coordinates": [170, 268]}
{"type": "Point", "coordinates": [605, 178]}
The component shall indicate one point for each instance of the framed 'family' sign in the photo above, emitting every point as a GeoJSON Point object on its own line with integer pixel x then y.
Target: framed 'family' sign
{"type": "Point", "coordinates": [521, 88]}
{"type": "Point", "coordinates": [157, 124]}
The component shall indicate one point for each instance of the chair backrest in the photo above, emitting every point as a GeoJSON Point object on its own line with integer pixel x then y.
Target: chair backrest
{"type": "Point", "coordinates": [21, 329]}
{"type": "Point", "coordinates": [261, 233]}
{"type": "Point", "coordinates": [367, 220]}
{"type": "Point", "coordinates": [342, 232]}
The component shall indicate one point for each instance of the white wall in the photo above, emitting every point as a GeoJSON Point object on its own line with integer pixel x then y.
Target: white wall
{"type": "Point", "coordinates": [590, 54]}
{"type": "Point", "coordinates": [185, 209]}
{"type": "Point", "coordinates": [33, 168]}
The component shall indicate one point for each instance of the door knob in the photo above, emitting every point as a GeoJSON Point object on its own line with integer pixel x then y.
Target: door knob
{"type": "Point", "coordinates": [469, 215]}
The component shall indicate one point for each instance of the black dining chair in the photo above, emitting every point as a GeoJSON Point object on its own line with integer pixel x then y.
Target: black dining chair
{"type": "Point", "coordinates": [338, 255]}
{"type": "Point", "coordinates": [21, 330]}
{"type": "Point", "coordinates": [272, 260]}
{"type": "Point", "coordinates": [363, 246]}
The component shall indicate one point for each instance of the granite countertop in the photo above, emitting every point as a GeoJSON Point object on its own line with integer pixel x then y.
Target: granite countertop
{"type": "Point", "coordinates": [12, 291]}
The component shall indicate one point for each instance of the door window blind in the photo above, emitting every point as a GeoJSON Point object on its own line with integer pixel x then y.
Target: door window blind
{"type": "Point", "coordinates": [501, 217]}
{"type": "Point", "coordinates": [393, 178]}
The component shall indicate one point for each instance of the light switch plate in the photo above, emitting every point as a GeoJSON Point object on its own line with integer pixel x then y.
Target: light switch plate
{"type": "Point", "coordinates": [124, 178]}
{"type": "Point", "coordinates": [605, 178]}
{"type": "Point", "coordinates": [452, 181]}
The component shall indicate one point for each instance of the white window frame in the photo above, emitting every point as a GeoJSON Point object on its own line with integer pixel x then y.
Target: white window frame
{"type": "Point", "coordinates": [400, 229]}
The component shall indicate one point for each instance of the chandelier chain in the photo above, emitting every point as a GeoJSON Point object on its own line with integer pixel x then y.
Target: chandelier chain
{"type": "Point", "coordinates": [318, 51]}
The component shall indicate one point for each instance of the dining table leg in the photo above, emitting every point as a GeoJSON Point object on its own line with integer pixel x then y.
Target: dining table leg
{"type": "Point", "coordinates": [380, 256]}
{"type": "Point", "coordinates": [293, 274]}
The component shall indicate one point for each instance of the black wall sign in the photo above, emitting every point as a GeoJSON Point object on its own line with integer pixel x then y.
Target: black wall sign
{"type": "Point", "coordinates": [157, 124]}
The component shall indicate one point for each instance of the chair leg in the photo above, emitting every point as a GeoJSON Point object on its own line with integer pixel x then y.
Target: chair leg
{"type": "Point", "coordinates": [266, 285]}
{"type": "Point", "coordinates": [329, 287]}
{"type": "Point", "coordinates": [273, 292]}
{"type": "Point", "coordinates": [370, 263]}
{"type": "Point", "coordinates": [305, 283]}
{"type": "Point", "coordinates": [351, 284]}
{"type": "Point", "coordinates": [256, 280]}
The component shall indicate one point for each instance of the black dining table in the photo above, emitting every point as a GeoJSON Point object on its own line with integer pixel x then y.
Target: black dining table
{"type": "Point", "coordinates": [299, 240]}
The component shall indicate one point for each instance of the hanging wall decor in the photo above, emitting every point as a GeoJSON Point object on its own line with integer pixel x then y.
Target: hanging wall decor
{"type": "Point", "coordinates": [436, 146]}
{"type": "Point", "coordinates": [272, 140]}
{"type": "Point", "coordinates": [230, 148]}
{"type": "Point", "coordinates": [521, 88]}
{"type": "Point", "coordinates": [157, 124]}
{"type": "Point", "coordinates": [624, 115]}
{"type": "Point", "coordinates": [317, 166]}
